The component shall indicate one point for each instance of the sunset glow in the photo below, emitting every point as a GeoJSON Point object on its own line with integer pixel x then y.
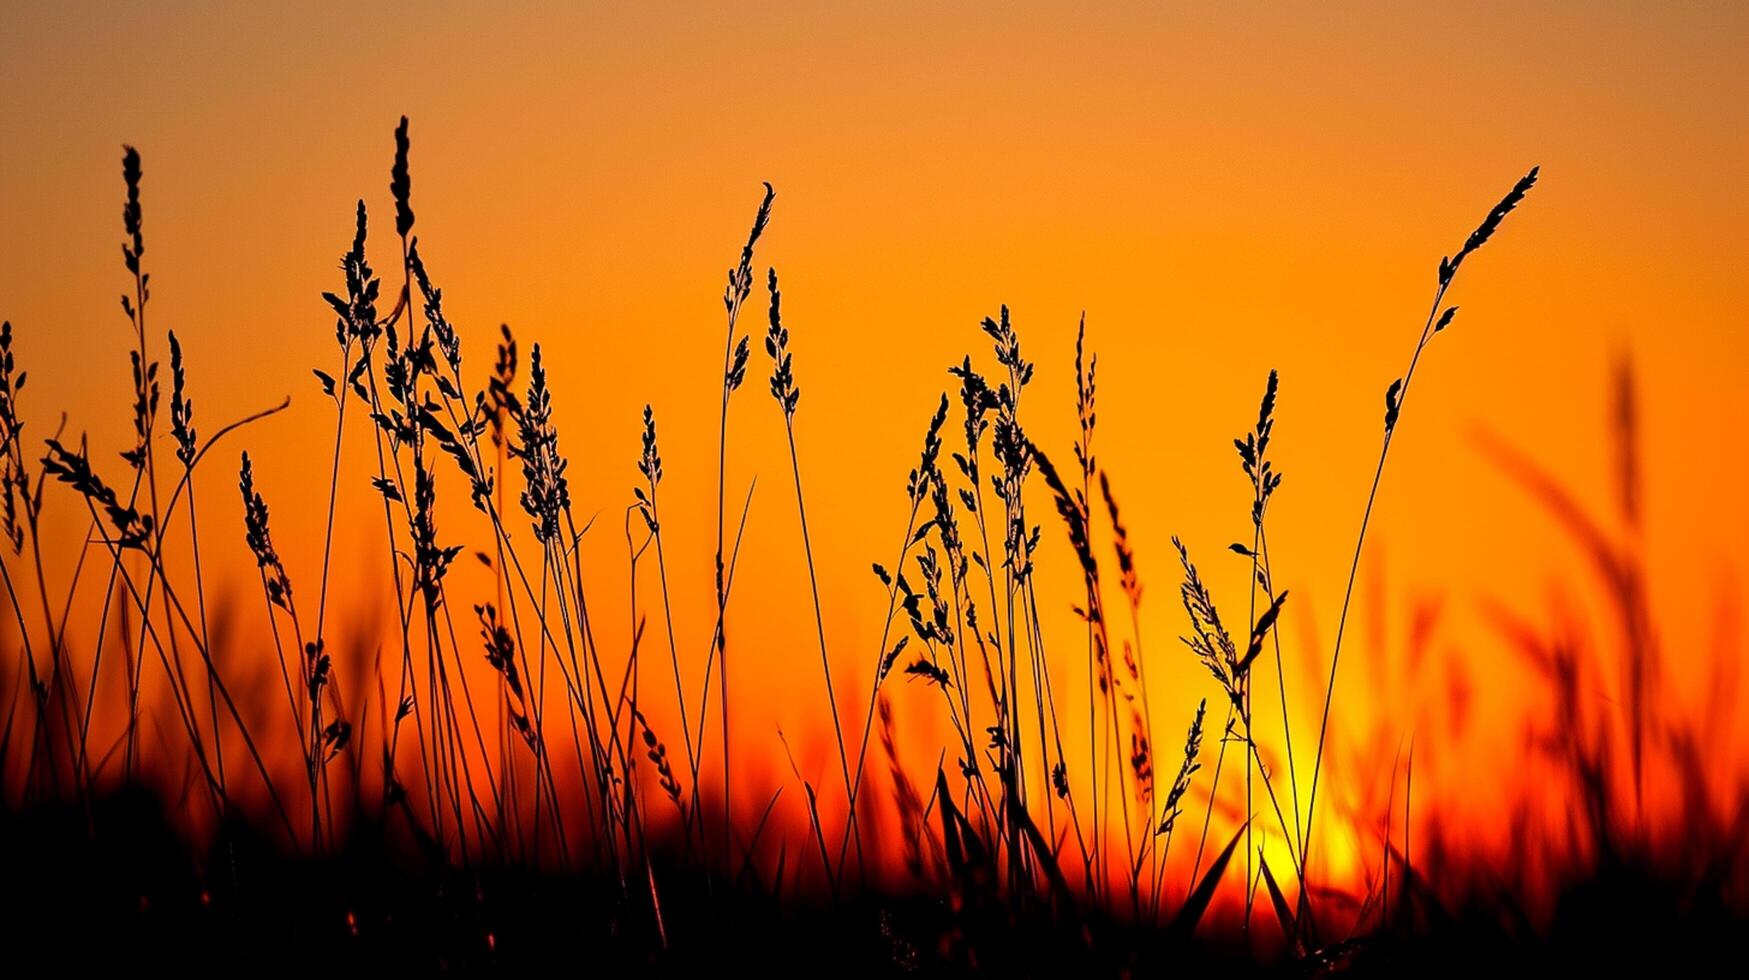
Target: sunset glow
{"type": "Point", "coordinates": [1549, 574]}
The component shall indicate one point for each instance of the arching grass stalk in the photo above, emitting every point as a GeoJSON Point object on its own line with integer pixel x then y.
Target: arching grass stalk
{"type": "Point", "coordinates": [1395, 396]}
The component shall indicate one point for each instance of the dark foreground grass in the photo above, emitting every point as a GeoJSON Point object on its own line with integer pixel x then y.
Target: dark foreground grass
{"type": "Point", "coordinates": [122, 892]}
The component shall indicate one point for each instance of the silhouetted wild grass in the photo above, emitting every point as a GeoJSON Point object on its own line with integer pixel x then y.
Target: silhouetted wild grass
{"type": "Point", "coordinates": [436, 822]}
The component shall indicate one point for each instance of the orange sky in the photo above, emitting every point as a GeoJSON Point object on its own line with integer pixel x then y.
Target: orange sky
{"type": "Point", "coordinates": [1222, 192]}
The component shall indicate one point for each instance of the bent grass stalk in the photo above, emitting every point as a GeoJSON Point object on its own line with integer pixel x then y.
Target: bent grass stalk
{"type": "Point", "coordinates": [1394, 398]}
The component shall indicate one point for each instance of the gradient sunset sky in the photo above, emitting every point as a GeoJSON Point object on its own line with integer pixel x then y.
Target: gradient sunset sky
{"type": "Point", "coordinates": [1222, 191]}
